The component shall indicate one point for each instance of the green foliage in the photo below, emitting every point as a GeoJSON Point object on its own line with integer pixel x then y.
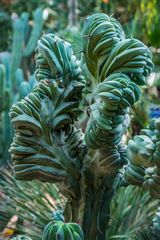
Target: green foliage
{"type": "Point", "coordinates": [27, 6]}
{"type": "Point", "coordinates": [151, 231]}
{"type": "Point", "coordinates": [131, 210]}
{"type": "Point", "coordinates": [33, 203]}
{"type": "Point", "coordinates": [47, 145]}
{"type": "Point", "coordinates": [150, 10]}
{"type": "Point", "coordinates": [5, 23]}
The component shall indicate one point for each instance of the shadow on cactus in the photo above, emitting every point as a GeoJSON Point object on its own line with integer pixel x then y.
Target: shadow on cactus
{"type": "Point", "coordinates": [47, 144]}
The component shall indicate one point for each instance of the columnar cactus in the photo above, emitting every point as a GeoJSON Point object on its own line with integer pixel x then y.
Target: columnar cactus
{"type": "Point", "coordinates": [48, 146]}
{"type": "Point", "coordinates": [12, 82]}
{"type": "Point", "coordinates": [5, 126]}
{"type": "Point", "coordinates": [21, 48]}
{"type": "Point", "coordinates": [8, 96]}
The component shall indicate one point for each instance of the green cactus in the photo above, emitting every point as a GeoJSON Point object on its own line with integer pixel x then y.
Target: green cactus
{"type": "Point", "coordinates": [8, 96]}
{"type": "Point", "coordinates": [144, 156]}
{"type": "Point", "coordinates": [13, 85]}
{"type": "Point", "coordinates": [60, 230]}
{"type": "Point", "coordinates": [35, 34]}
{"type": "Point", "coordinates": [17, 45]}
{"type": "Point", "coordinates": [21, 48]}
{"type": "Point", "coordinates": [48, 146]}
{"type": "Point", "coordinates": [5, 126]}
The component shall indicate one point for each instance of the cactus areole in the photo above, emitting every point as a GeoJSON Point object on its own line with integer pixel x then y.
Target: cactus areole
{"type": "Point", "coordinates": [47, 144]}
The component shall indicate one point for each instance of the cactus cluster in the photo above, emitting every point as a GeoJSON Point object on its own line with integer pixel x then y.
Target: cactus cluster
{"type": "Point", "coordinates": [48, 146]}
{"type": "Point", "coordinates": [144, 156]}
{"type": "Point", "coordinates": [13, 84]}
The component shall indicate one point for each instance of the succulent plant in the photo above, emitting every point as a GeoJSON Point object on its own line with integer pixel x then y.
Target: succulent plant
{"type": "Point", "coordinates": [47, 144]}
{"type": "Point", "coordinates": [143, 154]}
{"type": "Point", "coordinates": [12, 80]}
{"type": "Point", "coordinates": [61, 230]}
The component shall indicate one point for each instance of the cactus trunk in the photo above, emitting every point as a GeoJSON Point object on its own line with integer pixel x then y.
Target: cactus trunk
{"type": "Point", "coordinates": [92, 211]}
{"type": "Point", "coordinates": [97, 212]}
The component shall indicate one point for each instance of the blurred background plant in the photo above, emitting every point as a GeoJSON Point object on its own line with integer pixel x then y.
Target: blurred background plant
{"type": "Point", "coordinates": [22, 23]}
{"type": "Point", "coordinates": [26, 207]}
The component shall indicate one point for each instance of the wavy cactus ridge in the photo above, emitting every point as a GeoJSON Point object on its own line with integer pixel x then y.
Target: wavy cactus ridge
{"type": "Point", "coordinates": [129, 56]}
{"type": "Point", "coordinates": [55, 59]}
{"type": "Point", "coordinates": [31, 117]}
{"type": "Point", "coordinates": [107, 50]}
{"type": "Point", "coordinates": [100, 34]}
{"type": "Point", "coordinates": [108, 120]}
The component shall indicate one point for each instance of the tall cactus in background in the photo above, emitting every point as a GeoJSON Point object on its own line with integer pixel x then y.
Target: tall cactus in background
{"type": "Point", "coordinates": [13, 83]}
{"type": "Point", "coordinates": [23, 47]}
{"type": "Point", "coordinates": [48, 146]}
{"type": "Point", "coordinates": [5, 103]}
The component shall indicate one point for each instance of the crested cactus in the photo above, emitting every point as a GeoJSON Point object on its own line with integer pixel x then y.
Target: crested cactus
{"type": "Point", "coordinates": [47, 144]}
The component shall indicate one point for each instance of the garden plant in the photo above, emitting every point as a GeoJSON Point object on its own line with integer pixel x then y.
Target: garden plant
{"type": "Point", "coordinates": [16, 74]}
{"type": "Point", "coordinates": [90, 165]}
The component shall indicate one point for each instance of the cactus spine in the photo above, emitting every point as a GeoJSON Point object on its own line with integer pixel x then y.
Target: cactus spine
{"type": "Point", "coordinates": [49, 147]}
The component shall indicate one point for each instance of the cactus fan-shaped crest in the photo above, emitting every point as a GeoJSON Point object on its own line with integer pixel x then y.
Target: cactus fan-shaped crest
{"type": "Point", "coordinates": [42, 118]}
{"type": "Point", "coordinates": [118, 66]}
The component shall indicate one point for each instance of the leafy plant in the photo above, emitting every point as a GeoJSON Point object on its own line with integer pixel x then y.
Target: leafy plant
{"type": "Point", "coordinates": [131, 210]}
{"type": "Point", "coordinates": [32, 202]}
{"type": "Point", "coordinates": [47, 145]}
